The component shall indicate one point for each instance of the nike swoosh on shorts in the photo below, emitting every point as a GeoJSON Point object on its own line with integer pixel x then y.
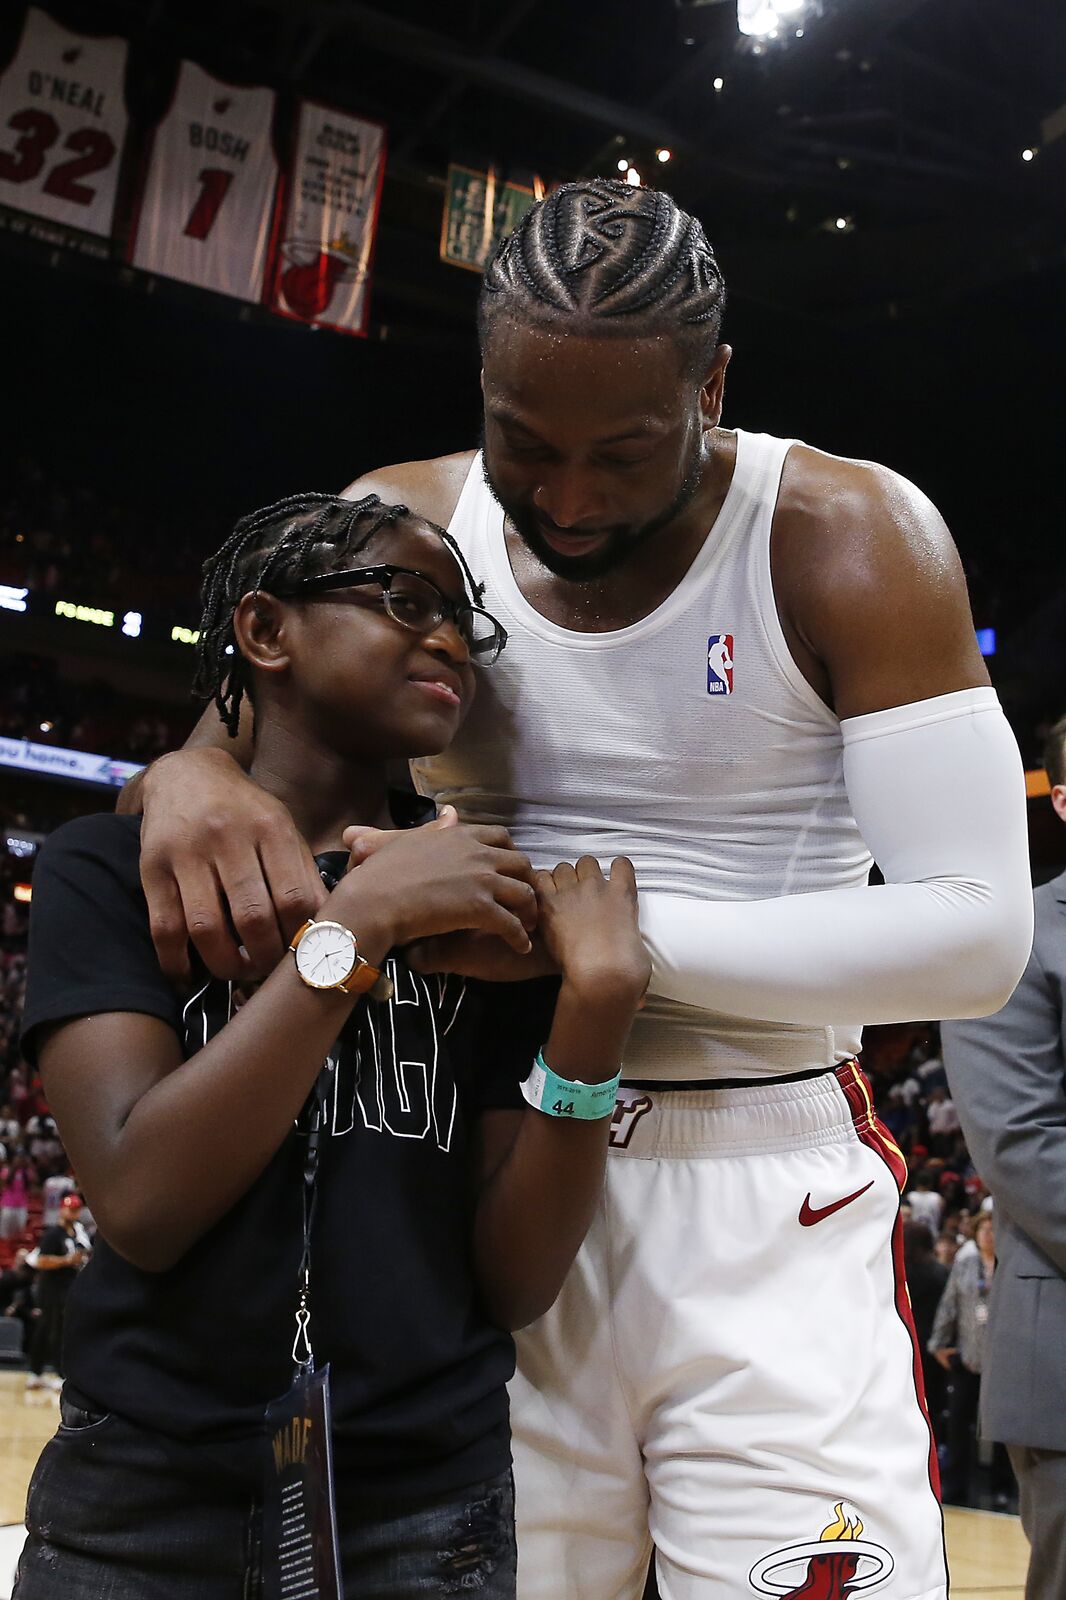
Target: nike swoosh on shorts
{"type": "Point", "coordinates": [809, 1214]}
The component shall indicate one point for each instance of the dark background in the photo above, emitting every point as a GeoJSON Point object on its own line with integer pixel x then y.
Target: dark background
{"type": "Point", "coordinates": [929, 336]}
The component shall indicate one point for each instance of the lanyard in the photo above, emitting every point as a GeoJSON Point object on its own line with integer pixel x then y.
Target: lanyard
{"type": "Point", "coordinates": [302, 1352]}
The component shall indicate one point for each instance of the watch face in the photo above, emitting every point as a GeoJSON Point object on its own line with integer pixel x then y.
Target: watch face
{"type": "Point", "coordinates": [326, 955]}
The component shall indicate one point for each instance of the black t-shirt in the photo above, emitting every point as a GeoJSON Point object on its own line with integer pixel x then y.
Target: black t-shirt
{"type": "Point", "coordinates": [196, 1352]}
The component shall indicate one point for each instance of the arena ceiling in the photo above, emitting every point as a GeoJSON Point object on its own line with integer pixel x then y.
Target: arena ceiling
{"type": "Point", "coordinates": [871, 167]}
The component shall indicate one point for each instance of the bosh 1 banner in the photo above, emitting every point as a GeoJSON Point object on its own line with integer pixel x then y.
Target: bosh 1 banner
{"type": "Point", "coordinates": [62, 127]}
{"type": "Point", "coordinates": [207, 202]}
{"type": "Point", "coordinates": [321, 271]}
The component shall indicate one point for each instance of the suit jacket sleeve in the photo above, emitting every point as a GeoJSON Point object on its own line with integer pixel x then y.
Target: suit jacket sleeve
{"type": "Point", "coordinates": [1006, 1076]}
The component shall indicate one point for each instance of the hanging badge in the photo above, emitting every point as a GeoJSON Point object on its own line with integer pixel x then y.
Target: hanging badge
{"type": "Point", "coordinates": [980, 1313]}
{"type": "Point", "coordinates": [301, 1560]}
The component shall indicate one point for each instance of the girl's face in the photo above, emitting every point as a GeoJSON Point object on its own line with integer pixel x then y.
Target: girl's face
{"type": "Point", "coordinates": [366, 685]}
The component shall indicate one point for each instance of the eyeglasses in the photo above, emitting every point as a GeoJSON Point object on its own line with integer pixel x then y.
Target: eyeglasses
{"type": "Point", "coordinates": [416, 603]}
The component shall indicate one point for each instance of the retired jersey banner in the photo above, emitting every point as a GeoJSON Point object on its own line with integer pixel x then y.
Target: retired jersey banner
{"type": "Point", "coordinates": [321, 274]}
{"type": "Point", "coordinates": [62, 126]}
{"type": "Point", "coordinates": [205, 209]}
{"type": "Point", "coordinates": [478, 211]}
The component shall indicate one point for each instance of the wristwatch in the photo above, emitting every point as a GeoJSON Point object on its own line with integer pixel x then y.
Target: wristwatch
{"type": "Point", "coordinates": [327, 957]}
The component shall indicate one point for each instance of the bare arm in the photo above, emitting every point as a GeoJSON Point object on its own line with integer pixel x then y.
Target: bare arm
{"type": "Point", "coordinates": [119, 1087]}
{"type": "Point", "coordinates": [870, 588]}
{"type": "Point", "coordinates": [208, 734]}
{"type": "Point", "coordinates": [542, 1175]}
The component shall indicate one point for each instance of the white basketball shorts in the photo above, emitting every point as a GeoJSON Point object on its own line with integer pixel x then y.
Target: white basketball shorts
{"type": "Point", "coordinates": [731, 1369]}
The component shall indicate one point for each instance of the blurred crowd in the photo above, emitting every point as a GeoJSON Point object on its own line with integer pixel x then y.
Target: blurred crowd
{"type": "Point", "coordinates": [949, 1253]}
{"type": "Point", "coordinates": [45, 1231]}
{"type": "Point", "coordinates": [38, 703]}
{"type": "Point", "coordinates": [64, 538]}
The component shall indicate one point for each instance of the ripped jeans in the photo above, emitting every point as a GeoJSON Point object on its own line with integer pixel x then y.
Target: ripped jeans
{"type": "Point", "coordinates": [117, 1513]}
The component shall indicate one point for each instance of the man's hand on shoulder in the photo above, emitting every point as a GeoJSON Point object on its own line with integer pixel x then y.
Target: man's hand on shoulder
{"type": "Point", "coordinates": [870, 587]}
{"type": "Point", "coordinates": [222, 865]}
{"type": "Point", "coordinates": [429, 488]}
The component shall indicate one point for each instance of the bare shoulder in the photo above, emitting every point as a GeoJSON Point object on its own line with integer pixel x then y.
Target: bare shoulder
{"type": "Point", "coordinates": [431, 488]}
{"type": "Point", "coordinates": [851, 513]}
{"type": "Point", "coordinates": [866, 572]}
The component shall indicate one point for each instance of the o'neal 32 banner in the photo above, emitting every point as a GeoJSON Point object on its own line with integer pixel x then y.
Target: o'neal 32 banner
{"type": "Point", "coordinates": [321, 272]}
{"type": "Point", "coordinates": [208, 199]}
{"type": "Point", "coordinates": [62, 125]}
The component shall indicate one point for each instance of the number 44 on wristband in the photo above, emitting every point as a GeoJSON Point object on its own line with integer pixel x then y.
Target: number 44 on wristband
{"type": "Point", "coordinates": [545, 1091]}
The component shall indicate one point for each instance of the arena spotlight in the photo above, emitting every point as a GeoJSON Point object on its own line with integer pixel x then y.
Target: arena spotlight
{"type": "Point", "coordinates": [623, 164]}
{"type": "Point", "coordinates": [663, 155]}
{"type": "Point", "coordinates": [718, 85]}
{"type": "Point", "coordinates": [633, 177]}
{"type": "Point", "coordinates": [761, 19]}
{"type": "Point", "coordinates": [1028, 154]}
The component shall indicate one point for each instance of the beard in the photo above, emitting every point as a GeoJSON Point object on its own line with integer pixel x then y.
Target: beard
{"type": "Point", "coordinates": [621, 541]}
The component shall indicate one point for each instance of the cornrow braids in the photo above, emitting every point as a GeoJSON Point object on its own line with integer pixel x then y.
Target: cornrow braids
{"type": "Point", "coordinates": [301, 536]}
{"type": "Point", "coordinates": [609, 258]}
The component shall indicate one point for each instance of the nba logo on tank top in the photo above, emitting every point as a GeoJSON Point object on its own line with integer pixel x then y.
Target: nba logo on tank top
{"type": "Point", "coordinates": [720, 663]}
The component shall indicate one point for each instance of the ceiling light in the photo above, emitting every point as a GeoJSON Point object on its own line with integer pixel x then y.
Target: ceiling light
{"type": "Point", "coordinates": [623, 164]}
{"type": "Point", "coordinates": [1028, 154]}
{"type": "Point", "coordinates": [841, 224]}
{"type": "Point", "coordinates": [718, 85]}
{"type": "Point", "coordinates": [760, 19]}
{"type": "Point", "coordinates": [633, 177]}
{"type": "Point", "coordinates": [663, 155]}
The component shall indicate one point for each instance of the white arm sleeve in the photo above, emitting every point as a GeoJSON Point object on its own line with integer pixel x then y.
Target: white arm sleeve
{"type": "Point", "coordinates": [938, 792]}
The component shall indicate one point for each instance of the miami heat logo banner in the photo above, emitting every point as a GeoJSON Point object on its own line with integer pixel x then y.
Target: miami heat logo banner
{"type": "Point", "coordinates": [321, 271]}
{"type": "Point", "coordinates": [205, 211]}
{"type": "Point", "coordinates": [62, 126]}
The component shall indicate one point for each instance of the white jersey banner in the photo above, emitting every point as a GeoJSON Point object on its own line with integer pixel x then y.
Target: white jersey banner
{"type": "Point", "coordinates": [322, 271]}
{"type": "Point", "coordinates": [208, 199]}
{"type": "Point", "coordinates": [62, 125]}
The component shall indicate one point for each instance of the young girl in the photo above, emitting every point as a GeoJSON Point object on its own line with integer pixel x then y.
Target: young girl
{"type": "Point", "coordinates": [351, 1164]}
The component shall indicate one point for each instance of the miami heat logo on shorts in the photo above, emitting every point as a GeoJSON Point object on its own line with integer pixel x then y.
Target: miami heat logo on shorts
{"type": "Point", "coordinates": [720, 663]}
{"type": "Point", "coordinates": [836, 1565]}
{"type": "Point", "coordinates": [628, 1110]}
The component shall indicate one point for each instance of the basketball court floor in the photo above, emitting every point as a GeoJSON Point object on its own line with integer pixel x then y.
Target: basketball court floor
{"type": "Point", "coordinates": [987, 1552]}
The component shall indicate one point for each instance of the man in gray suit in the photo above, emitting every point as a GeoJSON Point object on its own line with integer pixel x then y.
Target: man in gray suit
{"type": "Point", "coordinates": [1008, 1080]}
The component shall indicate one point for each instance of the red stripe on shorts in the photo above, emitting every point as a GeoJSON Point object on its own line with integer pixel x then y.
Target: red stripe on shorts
{"type": "Point", "coordinates": [873, 1133]}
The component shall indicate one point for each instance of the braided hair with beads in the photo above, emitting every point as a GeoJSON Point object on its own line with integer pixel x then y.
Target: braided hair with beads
{"type": "Point", "coordinates": [607, 258]}
{"type": "Point", "coordinates": [301, 536]}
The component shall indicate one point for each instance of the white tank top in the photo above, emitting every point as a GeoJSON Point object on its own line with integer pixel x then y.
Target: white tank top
{"type": "Point", "coordinates": [689, 741]}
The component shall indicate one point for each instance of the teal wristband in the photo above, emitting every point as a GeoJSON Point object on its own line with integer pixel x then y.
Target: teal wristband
{"type": "Point", "coordinates": [545, 1091]}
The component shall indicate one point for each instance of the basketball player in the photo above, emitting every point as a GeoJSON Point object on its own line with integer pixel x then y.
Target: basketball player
{"type": "Point", "coordinates": [730, 1371]}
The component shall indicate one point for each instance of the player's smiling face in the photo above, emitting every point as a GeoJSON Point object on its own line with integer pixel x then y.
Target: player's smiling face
{"type": "Point", "coordinates": [360, 683]}
{"type": "Point", "coordinates": [591, 445]}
